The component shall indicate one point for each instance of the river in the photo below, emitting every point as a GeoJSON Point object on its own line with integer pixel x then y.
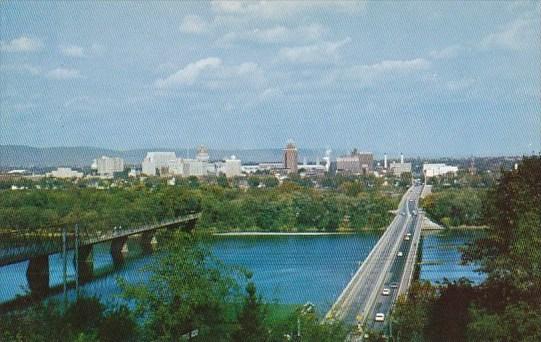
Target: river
{"type": "Point", "coordinates": [289, 269]}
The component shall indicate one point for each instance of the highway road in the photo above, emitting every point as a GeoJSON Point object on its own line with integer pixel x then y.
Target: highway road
{"type": "Point", "coordinates": [393, 278]}
{"type": "Point", "coordinates": [362, 298]}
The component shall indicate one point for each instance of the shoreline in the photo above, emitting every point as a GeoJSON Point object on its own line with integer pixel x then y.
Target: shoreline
{"type": "Point", "coordinates": [281, 233]}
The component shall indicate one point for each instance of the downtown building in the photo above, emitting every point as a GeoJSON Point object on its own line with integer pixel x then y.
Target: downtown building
{"type": "Point", "coordinates": [291, 156]}
{"type": "Point", "coordinates": [157, 163]}
{"type": "Point", "coordinates": [64, 172]}
{"type": "Point", "coordinates": [107, 166]}
{"type": "Point", "coordinates": [357, 163]}
{"type": "Point", "coordinates": [433, 170]}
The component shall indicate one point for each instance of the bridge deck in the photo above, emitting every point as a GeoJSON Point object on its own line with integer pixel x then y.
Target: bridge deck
{"type": "Point", "coordinates": [17, 254]}
{"type": "Point", "coordinates": [357, 303]}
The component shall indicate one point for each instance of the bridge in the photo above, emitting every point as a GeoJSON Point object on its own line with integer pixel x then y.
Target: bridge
{"type": "Point", "coordinates": [37, 246]}
{"type": "Point", "coordinates": [389, 266]}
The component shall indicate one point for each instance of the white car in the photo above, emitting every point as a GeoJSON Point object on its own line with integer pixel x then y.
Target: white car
{"type": "Point", "coordinates": [380, 317]}
{"type": "Point", "coordinates": [400, 254]}
{"type": "Point", "coordinates": [386, 292]}
{"type": "Point", "coordinates": [407, 238]}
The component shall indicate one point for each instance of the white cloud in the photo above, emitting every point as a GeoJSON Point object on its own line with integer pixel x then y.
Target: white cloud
{"type": "Point", "coordinates": [517, 35]}
{"type": "Point", "coordinates": [63, 74]}
{"type": "Point", "coordinates": [212, 73]}
{"type": "Point", "coordinates": [21, 44]}
{"type": "Point", "coordinates": [276, 34]}
{"type": "Point", "coordinates": [189, 74]}
{"type": "Point", "coordinates": [72, 51]}
{"type": "Point", "coordinates": [396, 65]}
{"type": "Point", "coordinates": [324, 52]}
{"type": "Point", "coordinates": [446, 53]}
{"type": "Point", "coordinates": [367, 74]}
{"type": "Point", "coordinates": [281, 9]}
{"type": "Point", "coordinates": [193, 24]}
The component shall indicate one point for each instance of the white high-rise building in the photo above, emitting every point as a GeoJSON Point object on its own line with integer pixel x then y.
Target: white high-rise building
{"type": "Point", "coordinates": [202, 154]}
{"type": "Point", "coordinates": [232, 167]}
{"type": "Point", "coordinates": [107, 166]}
{"type": "Point", "coordinates": [432, 170]}
{"type": "Point", "coordinates": [157, 161]}
{"type": "Point", "coordinates": [194, 167]}
{"type": "Point", "coordinates": [399, 168]}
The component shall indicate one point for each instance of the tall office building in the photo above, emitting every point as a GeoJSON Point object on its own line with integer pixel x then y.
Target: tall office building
{"type": "Point", "coordinates": [232, 167]}
{"type": "Point", "coordinates": [202, 153]}
{"type": "Point", "coordinates": [107, 166]}
{"type": "Point", "coordinates": [355, 163]}
{"type": "Point", "coordinates": [157, 161]}
{"type": "Point", "coordinates": [290, 158]}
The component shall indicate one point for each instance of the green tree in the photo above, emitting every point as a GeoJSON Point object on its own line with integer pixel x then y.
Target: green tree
{"type": "Point", "coordinates": [187, 290]}
{"type": "Point", "coordinates": [118, 326]}
{"type": "Point", "coordinates": [251, 318]}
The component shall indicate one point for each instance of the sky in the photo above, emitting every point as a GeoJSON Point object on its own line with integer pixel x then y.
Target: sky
{"type": "Point", "coordinates": [424, 78]}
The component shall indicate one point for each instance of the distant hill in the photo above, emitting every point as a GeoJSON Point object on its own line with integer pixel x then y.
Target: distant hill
{"type": "Point", "coordinates": [27, 157]}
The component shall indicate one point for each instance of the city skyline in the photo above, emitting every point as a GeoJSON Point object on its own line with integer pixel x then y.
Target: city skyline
{"type": "Point", "coordinates": [428, 79]}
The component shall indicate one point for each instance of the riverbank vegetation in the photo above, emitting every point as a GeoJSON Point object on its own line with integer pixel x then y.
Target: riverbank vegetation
{"type": "Point", "coordinates": [456, 207]}
{"type": "Point", "coordinates": [349, 203]}
{"type": "Point", "coordinates": [507, 305]}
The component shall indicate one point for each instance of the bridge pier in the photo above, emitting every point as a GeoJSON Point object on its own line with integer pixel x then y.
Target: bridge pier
{"type": "Point", "coordinates": [37, 275]}
{"type": "Point", "coordinates": [189, 226]}
{"type": "Point", "coordinates": [85, 264]}
{"type": "Point", "coordinates": [119, 248]}
{"type": "Point", "coordinates": [148, 241]}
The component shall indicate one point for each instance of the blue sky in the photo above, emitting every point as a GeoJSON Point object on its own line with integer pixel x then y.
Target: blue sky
{"type": "Point", "coordinates": [425, 78]}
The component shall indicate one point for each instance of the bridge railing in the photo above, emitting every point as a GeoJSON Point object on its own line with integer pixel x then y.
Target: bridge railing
{"type": "Point", "coordinates": [18, 245]}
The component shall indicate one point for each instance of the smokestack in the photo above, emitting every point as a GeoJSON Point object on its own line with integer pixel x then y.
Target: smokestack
{"type": "Point", "coordinates": [385, 161]}
{"type": "Point", "coordinates": [401, 158]}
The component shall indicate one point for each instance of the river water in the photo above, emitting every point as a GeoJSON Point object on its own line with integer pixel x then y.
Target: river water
{"type": "Point", "coordinates": [288, 269]}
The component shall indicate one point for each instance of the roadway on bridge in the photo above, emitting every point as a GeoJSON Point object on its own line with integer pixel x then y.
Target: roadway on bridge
{"type": "Point", "coordinates": [362, 298]}
{"type": "Point", "coordinates": [393, 278]}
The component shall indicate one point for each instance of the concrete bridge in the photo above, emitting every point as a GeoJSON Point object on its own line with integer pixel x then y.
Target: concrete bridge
{"type": "Point", "coordinates": [390, 266]}
{"type": "Point", "coordinates": [36, 249]}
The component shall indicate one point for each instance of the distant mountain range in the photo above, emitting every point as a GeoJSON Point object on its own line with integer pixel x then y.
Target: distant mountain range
{"type": "Point", "coordinates": [28, 157]}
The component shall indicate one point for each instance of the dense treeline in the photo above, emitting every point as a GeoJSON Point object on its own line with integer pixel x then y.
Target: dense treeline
{"type": "Point", "coordinates": [456, 207]}
{"type": "Point", "coordinates": [507, 305]}
{"type": "Point", "coordinates": [98, 210]}
{"type": "Point", "coordinates": [290, 206]}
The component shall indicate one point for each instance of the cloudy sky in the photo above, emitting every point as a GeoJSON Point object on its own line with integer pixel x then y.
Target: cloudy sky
{"type": "Point", "coordinates": [427, 78]}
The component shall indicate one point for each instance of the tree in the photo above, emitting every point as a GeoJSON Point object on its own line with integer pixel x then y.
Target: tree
{"type": "Point", "coordinates": [509, 308]}
{"type": "Point", "coordinates": [251, 318]}
{"type": "Point", "coordinates": [188, 289]}
{"type": "Point", "coordinates": [413, 313]}
{"type": "Point", "coordinates": [118, 326]}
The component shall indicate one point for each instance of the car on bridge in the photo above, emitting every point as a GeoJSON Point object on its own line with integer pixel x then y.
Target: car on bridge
{"type": "Point", "coordinates": [400, 254]}
{"type": "Point", "coordinates": [380, 317]}
{"type": "Point", "coordinates": [386, 291]}
{"type": "Point", "coordinates": [407, 237]}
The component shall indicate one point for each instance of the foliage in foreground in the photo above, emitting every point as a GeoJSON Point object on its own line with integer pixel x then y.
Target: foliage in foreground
{"type": "Point", "coordinates": [83, 320]}
{"type": "Point", "coordinates": [507, 305]}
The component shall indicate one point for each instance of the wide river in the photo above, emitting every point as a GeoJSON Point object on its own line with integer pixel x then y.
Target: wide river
{"type": "Point", "coordinates": [291, 269]}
